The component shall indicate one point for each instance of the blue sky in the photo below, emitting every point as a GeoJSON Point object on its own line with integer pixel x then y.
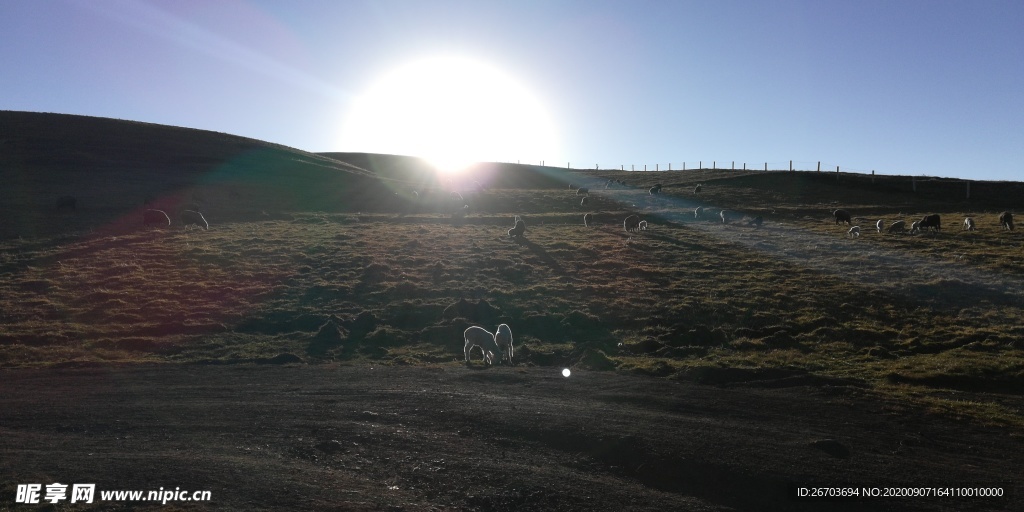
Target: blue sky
{"type": "Point", "coordinates": [901, 87]}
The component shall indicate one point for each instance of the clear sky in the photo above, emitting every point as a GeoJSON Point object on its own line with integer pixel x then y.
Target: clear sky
{"type": "Point", "coordinates": [910, 87]}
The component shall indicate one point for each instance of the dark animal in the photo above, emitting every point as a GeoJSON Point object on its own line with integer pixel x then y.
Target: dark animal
{"type": "Point", "coordinates": [584, 201]}
{"type": "Point", "coordinates": [582, 190]}
{"type": "Point", "coordinates": [756, 221]}
{"type": "Point", "coordinates": [932, 222]}
{"type": "Point", "coordinates": [655, 190]}
{"type": "Point", "coordinates": [588, 219]}
{"type": "Point", "coordinates": [157, 217]}
{"type": "Point", "coordinates": [66, 203]}
{"type": "Point", "coordinates": [193, 218]}
{"type": "Point", "coordinates": [632, 223]}
{"type": "Point", "coordinates": [1006, 221]}
{"type": "Point", "coordinates": [900, 225]}
{"type": "Point", "coordinates": [842, 216]}
{"type": "Point", "coordinates": [696, 190]}
{"type": "Point", "coordinates": [518, 230]}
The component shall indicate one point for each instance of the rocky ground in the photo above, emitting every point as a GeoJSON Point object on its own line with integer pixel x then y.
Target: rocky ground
{"type": "Point", "coordinates": [451, 437]}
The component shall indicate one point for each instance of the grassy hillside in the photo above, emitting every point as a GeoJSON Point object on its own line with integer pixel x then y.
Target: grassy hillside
{"type": "Point", "coordinates": [113, 167]}
{"type": "Point", "coordinates": [300, 276]}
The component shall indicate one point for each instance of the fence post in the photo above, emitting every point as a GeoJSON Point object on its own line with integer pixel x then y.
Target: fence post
{"type": "Point", "coordinates": [744, 166]}
{"type": "Point", "coordinates": [714, 165]}
{"type": "Point", "coordinates": [622, 167]}
{"type": "Point", "coordinates": [766, 167]}
{"type": "Point", "coordinates": [684, 166]}
{"type": "Point", "coordinates": [656, 168]}
{"type": "Point", "coordinates": [913, 183]}
{"type": "Point", "coordinates": [819, 166]}
{"type": "Point", "coordinates": [701, 165]}
{"type": "Point", "coordinates": [645, 167]}
{"type": "Point", "coordinates": [872, 176]}
{"type": "Point", "coordinates": [790, 166]}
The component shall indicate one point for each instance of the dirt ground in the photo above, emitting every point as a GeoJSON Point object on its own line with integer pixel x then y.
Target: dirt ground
{"type": "Point", "coordinates": [450, 437]}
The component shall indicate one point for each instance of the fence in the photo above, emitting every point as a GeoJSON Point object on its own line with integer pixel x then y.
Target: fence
{"type": "Point", "coordinates": [944, 188]}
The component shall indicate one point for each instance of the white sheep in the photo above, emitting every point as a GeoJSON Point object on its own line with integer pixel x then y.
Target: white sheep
{"type": "Point", "coordinates": [517, 230]}
{"type": "Point", "coordinates": [879, 225]}
{"type": "Point", "coordinates": [969, 224]}
{"type": "Point", "coordinates": [643, 225]}
{"type": "Point", "coordinates": [158, 217]}
{"type": "Point", "coordinates": [480, 337]}
{"type": "Point", "coordinates": [853, 232]}
{"type": "Point", "coordinates": [503, 339]}
{"type": "Point", "coordinates": [193, 218]}
{"type": "Point", "coordinates": [632, 223]}
{"type": "Point", "coordinates": [915, 227]}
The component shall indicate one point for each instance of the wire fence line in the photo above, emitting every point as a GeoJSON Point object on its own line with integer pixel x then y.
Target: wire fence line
{"type": "Point", "coordinates": [947, 187]}
{"type": "Point", "coordinates": [714, 165]}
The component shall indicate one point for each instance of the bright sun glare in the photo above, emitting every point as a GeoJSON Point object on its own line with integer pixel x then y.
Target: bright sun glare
{"type": "Point", "coordinates": [451, 112]}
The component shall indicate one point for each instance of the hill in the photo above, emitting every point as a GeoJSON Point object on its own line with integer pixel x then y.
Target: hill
{"type": "Point", "coordinates": [114, 167]}
{"type": "Point", "coordinates": [317, 270]}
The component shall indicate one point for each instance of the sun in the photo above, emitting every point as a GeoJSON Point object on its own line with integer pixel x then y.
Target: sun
{"type": "Point", "coordinates": [452, 112]}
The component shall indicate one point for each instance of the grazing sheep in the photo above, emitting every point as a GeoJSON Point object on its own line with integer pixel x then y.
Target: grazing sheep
{"type": "Point", "coordinates": [932, 222]}
{"type": "Point", "coordinates": [584, 201]}
{"type": "Point", "coordinates": [480, 337]}
{"type": "Point", "coordinates": [879, 225]}
{"type": "Point", "coordinates": [842, 216]}
{"type": "Point", "coordinates": [698, 212]}
{"type": "Point", "coordinates": [853, 232]}
{"type": "Point", "coordinates": [756, 221]}
{"type": "Point", "coordinates": [582, 190]}
{"type": "Point", "coordinates": [915, 227]}
{"type": "Point", "coordinates": [503, 339]}
{"type": "Point", "coordinates": [654, 191]}
{"type": "Point", "coordinates": [66, 203]}
{"type": "Point", "coordinates": [969, 224]}
{"type": "Point", "coordinates": [588, 219]}
{"type": "Point", "coordinates": [725, 215]}
{"type": "Point", "coordinates": [642, 226]}
{"type": "Point", "coordinates": [157, 217]}
{"type": "Point", "coordinates": [900, 225]}
{"type": "Point", "coordinates": [1006, 221]}
{"type": "Point", "coordinates": [632, 223]}
{"type": "Point", "coordinates": [696, 190]}
{"type": "Point", "coordinates": [517, 230]}
{"type": "Point", "coordinates": [190, 218]}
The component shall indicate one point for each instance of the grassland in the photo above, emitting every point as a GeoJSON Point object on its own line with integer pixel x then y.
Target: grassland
{"type": "Point", "coordinates": [313, 259]}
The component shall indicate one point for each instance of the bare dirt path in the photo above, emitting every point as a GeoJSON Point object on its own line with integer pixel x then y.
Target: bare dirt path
{"type": "Point", "coordinates": [366, 437]}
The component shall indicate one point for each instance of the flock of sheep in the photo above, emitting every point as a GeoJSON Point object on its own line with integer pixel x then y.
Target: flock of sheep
{"type": "Point", "coordinates": [931, 222]}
